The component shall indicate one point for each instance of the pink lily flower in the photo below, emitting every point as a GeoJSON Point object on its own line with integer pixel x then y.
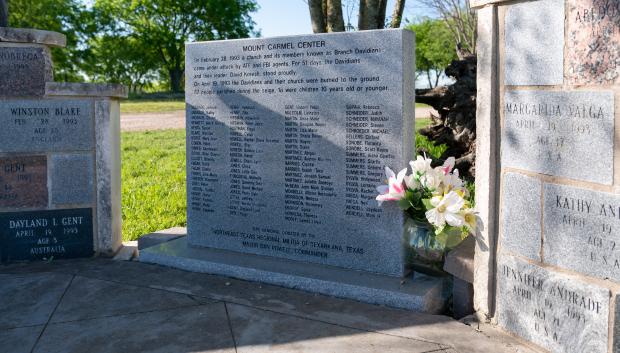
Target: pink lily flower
{"type": "Point", "coordinates": [395, 189]}
{"type": "Point", "coordinates": [448, 165]}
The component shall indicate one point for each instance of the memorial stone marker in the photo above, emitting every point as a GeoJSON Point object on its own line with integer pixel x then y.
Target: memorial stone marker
{"type": "Point", "coordinates": [521, 204]}
{"type": "Point", "coordinates": [555, 311]}
{"type": "Point", "coordinates": [59, 156]}
{"type": "Point", "coordinates": [581, 231]}
{"type": "Point", "coordinates": [556, 133]}
{"type": "Point", "coordinates": [556, 264]}
{"type": "Point", "coordinates": [593, 42]}
{"type": "Point", "coordinates": [287, 139]}
{"type": "Point", "coordinates": [534, 43]}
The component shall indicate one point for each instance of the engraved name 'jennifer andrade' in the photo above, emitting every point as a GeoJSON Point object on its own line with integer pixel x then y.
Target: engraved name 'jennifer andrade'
{"type": "Point", "coordinates": [559, 304]}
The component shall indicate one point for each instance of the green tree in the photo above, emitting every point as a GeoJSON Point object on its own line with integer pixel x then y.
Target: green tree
{"type": "Point", "coordinates": [165, 26]}
{"type": "Point", "coordinates": [435, 48]}
{"type": "Point", "coordinates": [120, 59]}
{"type": "Point", "coordinates": [65, 16]}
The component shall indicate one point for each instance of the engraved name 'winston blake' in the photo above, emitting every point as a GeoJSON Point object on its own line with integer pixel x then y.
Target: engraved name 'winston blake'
{"type": "Point", "coordinates": [46, 125]}
{"type": "Point", "coordinates": [582, 230]}
{"type": "Point", "coordinates": [287, 140]}
{"type": "Point", "coordinates": [555, 311]}
{"type": "Point", "coordinates": [555, 133]}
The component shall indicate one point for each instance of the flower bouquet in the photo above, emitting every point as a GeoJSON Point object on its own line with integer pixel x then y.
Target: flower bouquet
{"type": "Point", "coordinates": [437, 206]}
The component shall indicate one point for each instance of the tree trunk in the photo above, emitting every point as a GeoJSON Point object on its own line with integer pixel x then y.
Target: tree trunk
{"type": "Point", "coordinates": [437, 75]}
{"type": "Point", "coordinates": [4, 13]}
{"type": "Point", "coordinates": [176, 75]}
{"type": "Point", "coordinates": [335, 21]}
{"type": "Point", "coordinates": [372, 14]}
{"type": "Point", "coordinates": [428, 77]}
{"type": "Point", "coordinates": [397, 14]}
{"type": "Point", "coordinates": [317, 16]}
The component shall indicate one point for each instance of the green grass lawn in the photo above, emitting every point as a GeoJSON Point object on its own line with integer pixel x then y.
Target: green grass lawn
{"type": "Point", "coordinates": [422, 105]}
{"type": "Point", "coordinates": [150, 106]}
{"type": "Point", "coordinates": [153, 175]}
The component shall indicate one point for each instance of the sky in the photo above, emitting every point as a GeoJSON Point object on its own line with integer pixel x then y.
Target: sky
{"type": "Point", "coordinates": [289, 17]}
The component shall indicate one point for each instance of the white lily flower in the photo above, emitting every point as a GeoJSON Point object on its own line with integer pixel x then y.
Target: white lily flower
{"type": "Point", "coordinates": [452, 181]}
{"type": "Point", "coordinates": [471, 219]}
{"type": "Point", "coordinates": [421, 165]}
{"type": "Point", "coordinates": [446, 210]}
{"type": "Point", "coordinates": [432, 179]}
{"type": "Point", "coordinates": [411, 182]}
{"type": "Point", "coordinates": [395, 189]}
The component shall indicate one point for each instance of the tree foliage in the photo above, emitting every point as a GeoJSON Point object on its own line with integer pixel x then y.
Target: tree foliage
{"type": "Point", "coordinates": [162, 27]}
{"type": "Point", "coordinates": [64, 16]}
{"type": "Point", "coordinates": [435, 48]}
{"type": "Point", "coordinates": [461, 20]}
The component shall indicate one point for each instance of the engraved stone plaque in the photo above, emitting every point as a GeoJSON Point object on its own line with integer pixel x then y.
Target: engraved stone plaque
{"type": "Point", "coordinates": [558, 312]}
{"type": "Point", "coordinates": [534, 37]}
{"type": "Point", "coordinates": [288, 138]}
{"type": "Point", "coordinates": [24, 71]}
{"type": "Point", "coordinates": [46, 125]}
{"type": "Point", "coordinates": [73, 179]}
{"type": "Point", "coordinates": [36, 235]}
{"type": "Point", "coordinates": [593, 46]}
{"type": "Point", "coordinates": [521, 215]}
{"type": "Point", "coordinates": [582, 230]}
{"type": "Point", "coordinates": [566, 134]}
{"type": "Point", "coordinates": [23, 182]}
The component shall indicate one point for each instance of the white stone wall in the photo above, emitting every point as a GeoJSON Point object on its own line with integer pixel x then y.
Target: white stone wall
{"type": "Point", "coordinates": [547, 267]}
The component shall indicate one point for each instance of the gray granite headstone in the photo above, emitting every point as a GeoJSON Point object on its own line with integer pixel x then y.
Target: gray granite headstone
{"type": "Point", "coordinates": [46, 125]}
{"type": "Point", "coordinates": [534, 34]}
{"type": "Point", "coordinates": [521, 215]}
{"type": "Point", "coordinates": [566, 134]}
{"type": "Point", "coordinates": [24, 71]}
{"type": "Point", "coordinates": [287, 140]}
{"type": "Point", "coordinates": [582, 230]}
{"type": "Point", "coordinates": [73, 179]}
{"type": "Point", "coordinates": [555, 311]}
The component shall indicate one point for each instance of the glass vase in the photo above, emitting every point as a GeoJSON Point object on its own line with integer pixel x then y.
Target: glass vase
{"type": "Point", "coordinates": [424, 253]}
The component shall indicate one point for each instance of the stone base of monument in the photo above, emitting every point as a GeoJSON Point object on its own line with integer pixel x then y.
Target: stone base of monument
{"type": "Point", "coordinates": [419, 292]}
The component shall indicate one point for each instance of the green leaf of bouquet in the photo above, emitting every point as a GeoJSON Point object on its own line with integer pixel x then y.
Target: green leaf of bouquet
{"type": "Point", "coordinates": [427, 203]}
{"type": "Point", "coordinates": [404, 204]}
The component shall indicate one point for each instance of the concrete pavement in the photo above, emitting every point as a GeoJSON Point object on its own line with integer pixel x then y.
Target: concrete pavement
{"type": "Point", "coordinates": [100, 305]}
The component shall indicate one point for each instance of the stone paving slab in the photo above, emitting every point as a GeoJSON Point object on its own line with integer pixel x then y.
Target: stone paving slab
{"type": "Point", "coordinates": [121, 279]}
{"type": "Point", "coordinates": [29, 300]}
{"type": "Point", "coordinates": [258, 331]}
{"type": "Point", "coordinates": [194, 329]}
{"type": "Point", "coordinates": [19, 340]}
{"type": "Point", "coordinates": [91, 298]}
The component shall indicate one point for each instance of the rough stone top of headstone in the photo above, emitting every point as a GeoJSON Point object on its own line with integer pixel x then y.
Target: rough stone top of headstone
{"type": "Point", "coordinates": [33, 36]}
{"type": "Point", "coordinates": [112, 90]}
{"type": "Point", "coordinates": [477, 4]}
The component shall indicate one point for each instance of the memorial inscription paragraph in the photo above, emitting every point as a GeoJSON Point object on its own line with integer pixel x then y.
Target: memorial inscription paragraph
{"type": "Point", "coordinates": [288, 138]}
